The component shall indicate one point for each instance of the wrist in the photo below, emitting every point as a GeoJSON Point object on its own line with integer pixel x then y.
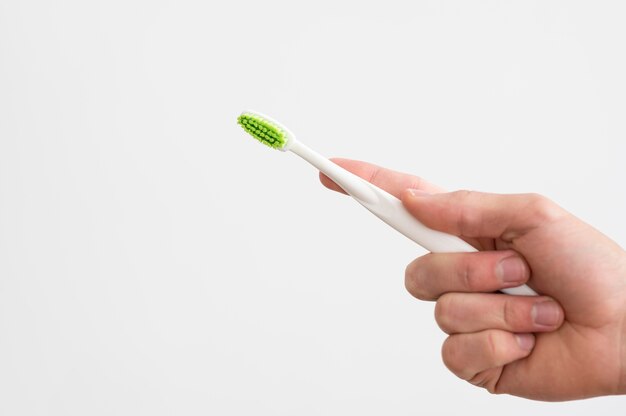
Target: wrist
{"type": "Point", "coordinates": [621, 387]}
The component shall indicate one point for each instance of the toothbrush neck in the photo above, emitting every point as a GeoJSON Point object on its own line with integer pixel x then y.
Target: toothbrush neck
{"type": "Point", "coordinates": [352, 184]}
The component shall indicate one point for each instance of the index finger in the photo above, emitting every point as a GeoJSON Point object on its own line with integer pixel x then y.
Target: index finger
{"type": "Point", "coordinates": [390, 180]}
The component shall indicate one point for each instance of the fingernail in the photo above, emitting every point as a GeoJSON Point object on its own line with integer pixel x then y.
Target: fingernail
{"type": "Point", "coordinates": [511, 270]}
{"type": "Point", "coordinates": [525, 341]}
{"type": "Point", "coordinates": [546, 313]}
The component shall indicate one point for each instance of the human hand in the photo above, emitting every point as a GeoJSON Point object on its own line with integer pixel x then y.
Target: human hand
{"type": "Point", "coordinates": [569, 343]}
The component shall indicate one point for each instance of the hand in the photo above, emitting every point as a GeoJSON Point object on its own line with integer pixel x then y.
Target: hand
{"type": "Point", "coordinates": [569, 343]}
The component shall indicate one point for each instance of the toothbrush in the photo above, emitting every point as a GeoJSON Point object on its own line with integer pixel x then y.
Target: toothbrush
{"type": "Point", "coordinates": [379, 202]}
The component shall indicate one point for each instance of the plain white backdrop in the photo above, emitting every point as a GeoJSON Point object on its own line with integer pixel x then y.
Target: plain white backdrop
{"type": "Point", "coordinates": [154, 260]}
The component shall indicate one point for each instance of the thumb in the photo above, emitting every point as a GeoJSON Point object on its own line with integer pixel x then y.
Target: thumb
{"type": "Point", "coordinates": [476, 214]}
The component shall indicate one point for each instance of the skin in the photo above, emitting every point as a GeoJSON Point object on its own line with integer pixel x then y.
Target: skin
{"type": "Point", "coordinates": [570, 342]}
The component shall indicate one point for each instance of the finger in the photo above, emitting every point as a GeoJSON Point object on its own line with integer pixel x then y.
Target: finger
{"type": "Point", "coordinates": [393, 182]}
{"type": "Point", "coordinates": [477, 214]}
{"type": "Point", "coordinates": [434, 274]}
{"type": "Point", "coordinates": [466, 313]}
{"type": "Point", "coordinates": [389, 180]}
{"type": "Point", "coordinates": [487, 379]}
{"type": "Point", "coordinates": [467, 355]}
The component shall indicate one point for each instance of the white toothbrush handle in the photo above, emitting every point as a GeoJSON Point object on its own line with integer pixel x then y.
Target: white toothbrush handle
{"type": "Point", "coordinates": [390, 209]}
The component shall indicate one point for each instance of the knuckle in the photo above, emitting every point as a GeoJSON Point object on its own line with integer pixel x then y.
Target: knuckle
{"type": "Point", "coordinates": [374, 175]}
{"type": "Point", "coordinates": [479, 380]}
{"type": "Point", "coordinates": [487, 379]}
{"type": "Point", "coordinates": [417, 182]}
{"type": "Point", "coordinates": [465, 216]}
{"type": "Point", "coordinates": [544, 208]}
{"type": "Point", "coordinates": [462, 194]}
{"type": "Point", "coordinates": [489, 386]}
{"type": "Point", "coordinates": [494, 344]}
{"type": "Point", "coordinates": [509, 316]}
{"type": "Point", "coordinates": [498, 389]}
{"type": "Point", "coordinates": [470, 279]}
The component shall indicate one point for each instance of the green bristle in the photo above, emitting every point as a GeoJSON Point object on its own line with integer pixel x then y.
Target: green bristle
{"type": "Point", "coordinates": [263, 130]}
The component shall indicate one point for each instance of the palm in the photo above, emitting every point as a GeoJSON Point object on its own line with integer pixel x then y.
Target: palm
{"type": "Point", "coordinates": [579, 358]}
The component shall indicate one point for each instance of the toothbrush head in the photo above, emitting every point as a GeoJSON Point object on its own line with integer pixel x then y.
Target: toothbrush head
{"type": "Point", "coordinates": [264, 129]}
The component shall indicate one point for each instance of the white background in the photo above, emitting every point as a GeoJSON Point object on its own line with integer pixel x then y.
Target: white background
{"type": "Point", "coordinates": [154, 260]}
